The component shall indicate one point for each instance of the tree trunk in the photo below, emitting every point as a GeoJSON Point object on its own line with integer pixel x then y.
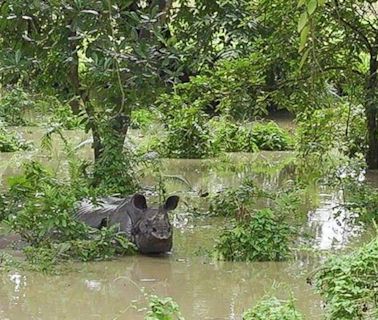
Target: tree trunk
{"type": "Point", "coordinates": [371, 111]}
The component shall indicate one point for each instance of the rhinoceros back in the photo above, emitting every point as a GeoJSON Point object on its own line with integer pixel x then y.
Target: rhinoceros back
{"type": "Point", "coordinates": [108, 212]}
{"type": "Point", "coordinates": [94, 215]}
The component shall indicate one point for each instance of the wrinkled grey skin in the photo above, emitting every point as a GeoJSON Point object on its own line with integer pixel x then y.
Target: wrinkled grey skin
{"type": "Point", "coordinates": [148, 228]}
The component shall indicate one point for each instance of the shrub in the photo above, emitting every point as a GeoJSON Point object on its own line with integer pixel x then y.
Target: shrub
{"type": "Point", "coordinates": [163, 309]}
{"type": "Point", "coordinates": [10, 142]}
{"type": "Point", "coordinates": [260, 236]}
{"type": "Point", "coordinates": [273, 309]}
{"type": "Point", "coordinates": [348, 284]}
{"type": "Point", "coordinates": [187, 134]}
{"type": "Point", "coordinates": [231, 201]}
{"type": "Point", "coordinates": [142, 118]}
{"type": "Point", "coordinates": [41, 208]}
{"type": "Point", "coordinates": [269, 136]}
{"type": "Point", "coordinates": [228, 136]}
{"type": "Point", "coordinates": [63, 115]}
{"type": "Point", "coordinates": [363, 200]}
{"type": "Point", "coordinates": [13, 105]}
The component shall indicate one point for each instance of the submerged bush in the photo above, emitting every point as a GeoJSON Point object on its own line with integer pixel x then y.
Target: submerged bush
{"type": "Point", "coordinates": [163, 309]}
{"type": "Point", "coordinates": [41, 208]}
{"type": "Point", "coordinates": [269, 136]}
{"type": "Point", "coordinates": [230, 202]}
{"type": "Point", "coordinates": [229, 136]}
{"type": "Point", "coordinates": [10, 142]}
{"type": "Point", "coordinates": [349, 283]}
{"type": "Point", "coordinates": [256, 235]}
{"type": "Point", "coordinates": [273, 309]}
{"type": "Point", "coordinates": [187, 134]}
{"type": "Point", "coordinates": [261, 236]}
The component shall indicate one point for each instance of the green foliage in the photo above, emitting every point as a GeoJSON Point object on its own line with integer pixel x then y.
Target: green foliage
{"type": "Point", "coordinates": [62, 114]}
{"type": "Point", "coordinates": [142, 118]}
{"type": "Point", "coordinates": [13, 106]}
{"type": "Point", "coordinates": [234, 202]}
{"type": "Point", "coordinates": [229, 136]}
{"type": "Point", "coordinates": [348, 284]}
{"type": "Point", "coordinates": [10, 142]}
{"type": "Point", "coordinates": [229, 88]}
{"type": "Point", "coordinates": [273, 309]}
{"type": "Point", "coordinates": [326, 131]}
{"type": "Point", "coordinates": [187, 134]}
{"type": "Point", "coordinates": [230, 202]}
{"type": "Point", "coordinates": [163, 309]}
{"type": "Point", "coordinates": [41, 208]}
{"type": "Point", "coordinates": [269, 136]}
{"type": "Point", "coordinates": [115, 169]}
{"type": "Point", "coordinates": [362, 199]}
{"type": "Point", "coordinates": [260, 236]}
{"type": "Point", "coordinates": [256, 235]}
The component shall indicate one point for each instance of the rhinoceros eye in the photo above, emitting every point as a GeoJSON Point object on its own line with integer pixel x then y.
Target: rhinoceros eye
{"type": "Point", "coordinates": [154, 229]}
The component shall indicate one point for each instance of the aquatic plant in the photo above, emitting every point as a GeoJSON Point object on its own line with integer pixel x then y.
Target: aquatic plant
{"type": "Point", "coordinates": [271, 308]}
{"type": "Point", "coordinates": [163, 309]}
{"type": "Point", "coordinates": [260, 236]}
{"type": "Point", "coordinates": [348, 284]}
{"type": "Point", "coordinates": [230, 201]}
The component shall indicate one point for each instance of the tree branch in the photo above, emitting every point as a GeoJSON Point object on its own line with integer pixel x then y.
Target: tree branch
{"type": "Point", "coordinates": [352, 27]}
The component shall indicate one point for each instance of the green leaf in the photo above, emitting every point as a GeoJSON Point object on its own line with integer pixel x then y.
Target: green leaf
{"type": "Point", "coordinates": [303, 19]}
{"type": "Point", "coordinates": [311, 6]}
{"type": "Point", "coordinates": [17, 56]}
{"type": "Point", "coordinates": [303, 38]}
{"type": "Point", "coordinates": [321, 3]}
{"type": "Point", "coordinates": [304, 58]}
{"type": "Point", "coordinates": [300, 3]}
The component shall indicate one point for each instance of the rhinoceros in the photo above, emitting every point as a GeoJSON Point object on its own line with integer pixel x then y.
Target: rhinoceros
{"type": "Point", "coordinates": [148, 228]}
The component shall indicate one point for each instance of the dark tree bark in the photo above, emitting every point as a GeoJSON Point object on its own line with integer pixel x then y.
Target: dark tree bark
{"type": "Point", "coordinates": [371, 111]}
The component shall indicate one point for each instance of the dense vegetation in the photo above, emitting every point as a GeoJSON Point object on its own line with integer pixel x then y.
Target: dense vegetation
{"type": "Point", "coordinates": [197, 79]}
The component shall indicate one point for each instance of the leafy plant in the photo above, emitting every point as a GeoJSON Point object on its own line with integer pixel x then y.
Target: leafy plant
{"type": "Point", "coordinates": [261, 236]}
{"type": "Point", "coordinates": [232, 201]}
{"type": "Point", "coordinates": [269, 136]}
{"type": "Point", "coordinates": [187, 134]}
{"type": "Point", "coordinates": [348, 284]}
{"type": "Point", "coordinates": [10, 142]}
{"type": "Point", "coordinates": [273, 309]}
{"type": "Point", "coordinates": [13, 106]}
{"type": "Point", "coordinates": [142, 118]}
{"type": "Point", "coordinates": [163, 309]}
{"type": "Point", "coordinates": [41, 208]}
{"type": "Point", "coordinates": [229, 136]}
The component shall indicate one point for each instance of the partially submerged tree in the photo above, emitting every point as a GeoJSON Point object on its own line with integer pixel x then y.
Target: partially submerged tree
{"type": "Point", "coordinates": [104, 57]}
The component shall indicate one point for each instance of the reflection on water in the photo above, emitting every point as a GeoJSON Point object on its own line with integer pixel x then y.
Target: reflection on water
{"type": "Point", "coordinates": [332, 223]}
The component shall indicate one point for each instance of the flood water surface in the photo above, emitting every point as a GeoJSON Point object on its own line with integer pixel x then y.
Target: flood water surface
{"type": "Point", "coordinates": [204, 289]}
{"type": "Point", "coordinates": [116, 290]}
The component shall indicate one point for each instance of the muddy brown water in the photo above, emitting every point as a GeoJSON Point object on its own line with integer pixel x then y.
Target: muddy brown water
{"type": "Point", "coordinates": [204, 289]}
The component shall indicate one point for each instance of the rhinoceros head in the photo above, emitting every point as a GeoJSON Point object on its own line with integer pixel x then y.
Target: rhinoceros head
{"type": "Point", "coordinates": [152, 231]}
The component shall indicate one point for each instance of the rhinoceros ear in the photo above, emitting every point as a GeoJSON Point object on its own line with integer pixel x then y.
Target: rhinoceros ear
{"type": "Point", "coordinates": [139, 201]}
{"type": "Point", "coordinates": [171, 203]}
